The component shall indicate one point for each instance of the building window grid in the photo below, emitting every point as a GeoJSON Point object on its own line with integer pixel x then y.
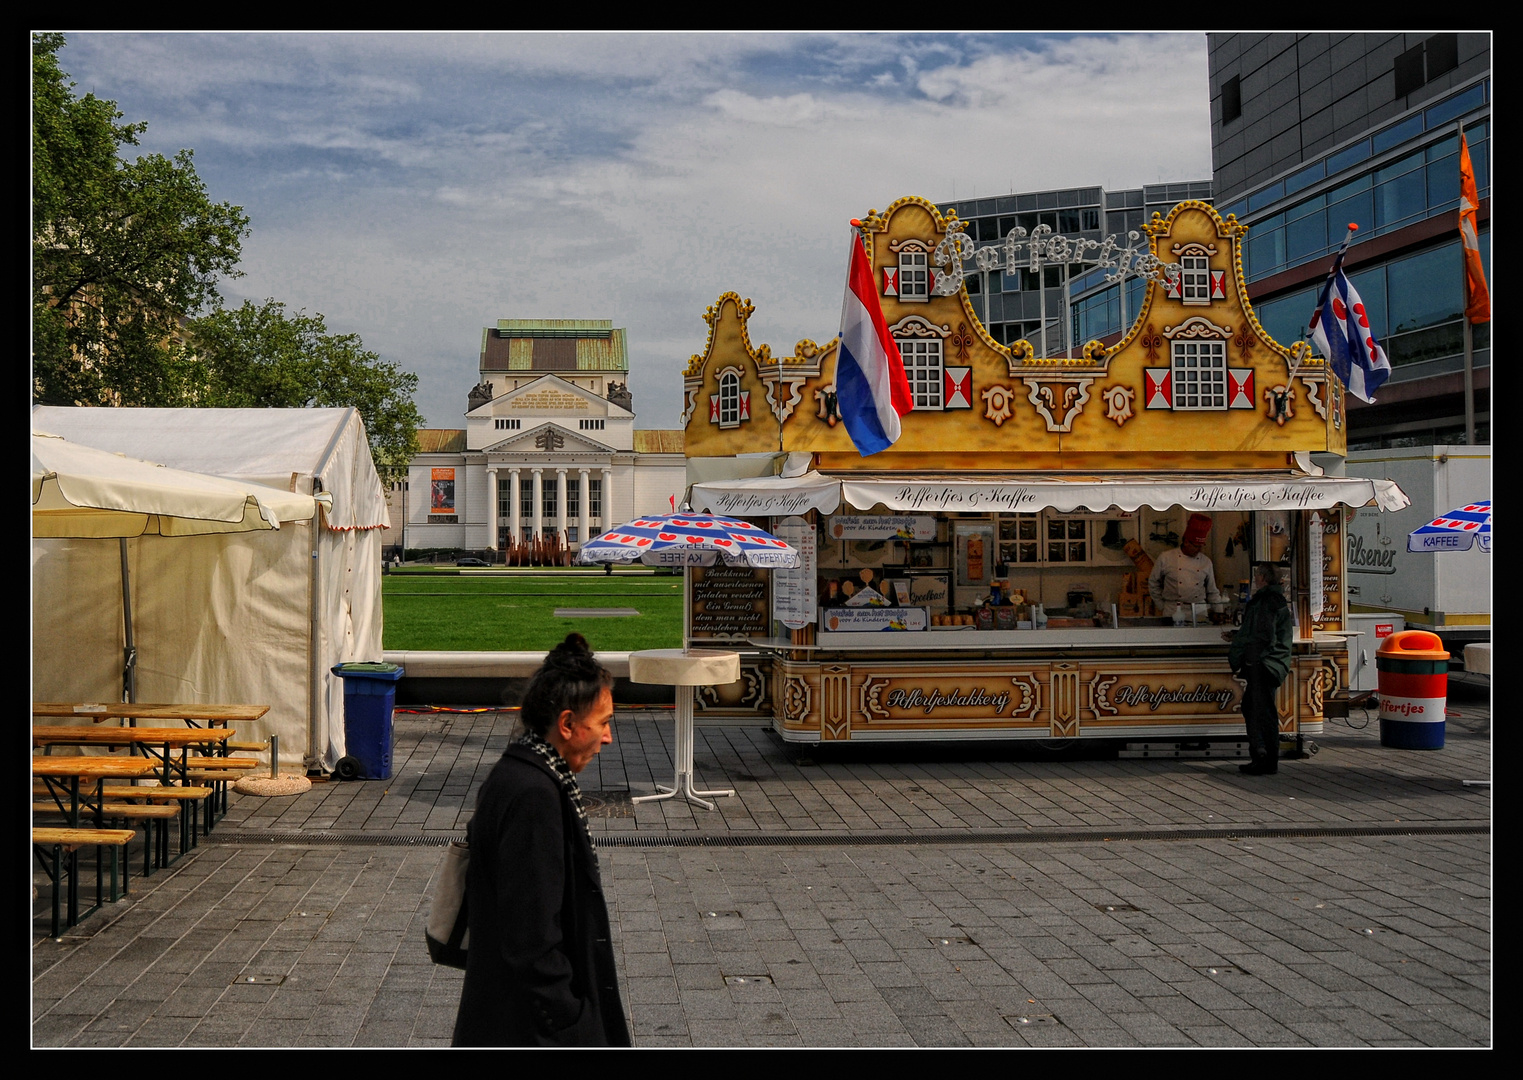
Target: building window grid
{"type": "Point", "coordinates": [914, 276]}
{"type": "Point", "coordinates": [1200, 375]}
{"type": "Point", "coordinates": [729, 399]}
{"type": "Point", "coordinates": [922, 367]}
{"type": "Point", "coordinates": [591, 425]}
{"type": "Point", "coordinates": [1195, 279]}
{"type": "Point", "coordinates": [1412, 188]}
{"type": "Point", "coordinates": [508, 424]}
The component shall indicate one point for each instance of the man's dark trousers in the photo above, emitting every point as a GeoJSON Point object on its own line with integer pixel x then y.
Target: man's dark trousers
{"type": "Point", "coordinates": [1261, 717]}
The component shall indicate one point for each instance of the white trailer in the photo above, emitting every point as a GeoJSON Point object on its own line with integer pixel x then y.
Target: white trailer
{"type": "Point", "coordinates": [1448, 592]}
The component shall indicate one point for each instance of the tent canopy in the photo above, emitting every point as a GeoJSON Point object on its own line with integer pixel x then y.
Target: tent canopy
{"type": "Point", "coordinates": [280, 448]}
{"type": "Point", "coordinates": [258, 617]}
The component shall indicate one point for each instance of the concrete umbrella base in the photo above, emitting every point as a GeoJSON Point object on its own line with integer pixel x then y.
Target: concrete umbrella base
{"type": "Point", "coordinates": [285, 784]}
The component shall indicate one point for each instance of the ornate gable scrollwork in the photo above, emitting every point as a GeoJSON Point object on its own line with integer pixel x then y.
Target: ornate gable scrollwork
{"type": "Point", "coordinates": [1059, 400]}
{"type": "Point", "coordinates": [692, 376]}
{"type": "Point", "coordinates": [784, 377]}
{"type": "Point", "coordinates": [1197, 327]}
{"type": "Point", "coordinates": [915, 326]}
{"type": "Point", "coordinates": [1193, 248]}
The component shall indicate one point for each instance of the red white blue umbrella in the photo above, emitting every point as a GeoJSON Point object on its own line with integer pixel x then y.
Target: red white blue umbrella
{"type": "Point", "coordinates": [689, 540]}
{"type": "Point", "coordinates": [1458, 530]}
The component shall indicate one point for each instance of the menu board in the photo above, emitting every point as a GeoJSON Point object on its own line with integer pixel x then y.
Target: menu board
{"type": "Point", "coordinates": [729, 601]}
{"type": "Point", "coordinates": [794, 595]}
{"type": "Point", "coordinates": [1326, 551]}
{"type": "Point", "coordinates": [882, 527]}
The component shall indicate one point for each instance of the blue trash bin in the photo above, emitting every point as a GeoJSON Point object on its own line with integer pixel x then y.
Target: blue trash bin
{"type": "Point", "coordinates": [370, 694]}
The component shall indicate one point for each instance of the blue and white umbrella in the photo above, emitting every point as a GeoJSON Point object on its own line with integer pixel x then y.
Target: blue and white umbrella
{"type": "Point", "coordinates": [689, 540]}
{"type": "Point", "coordinates": [1457, 530]}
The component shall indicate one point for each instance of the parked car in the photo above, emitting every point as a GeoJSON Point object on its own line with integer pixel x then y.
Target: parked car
{"type": "Point", "coordinates": [472, 562]}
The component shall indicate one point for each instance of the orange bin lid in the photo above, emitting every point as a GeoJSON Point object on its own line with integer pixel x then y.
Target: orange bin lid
{"type": "Point", "coordinates": [1413, 645]}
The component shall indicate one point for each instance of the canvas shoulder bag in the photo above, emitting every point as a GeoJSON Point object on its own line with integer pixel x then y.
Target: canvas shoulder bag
{"type": "Point", "coordinates": [448, 928]}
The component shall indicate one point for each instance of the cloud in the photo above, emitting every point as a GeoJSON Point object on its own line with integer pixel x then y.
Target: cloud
{"type": "Point", "coordinates": [417, 187]}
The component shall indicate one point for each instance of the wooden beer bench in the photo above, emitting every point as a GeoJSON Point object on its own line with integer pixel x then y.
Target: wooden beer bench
{"type": "Point", "coordinates": [58, 852]}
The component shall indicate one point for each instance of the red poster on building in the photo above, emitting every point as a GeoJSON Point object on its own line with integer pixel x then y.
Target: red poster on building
{"type": "Point", "coordinates": [441, 495]}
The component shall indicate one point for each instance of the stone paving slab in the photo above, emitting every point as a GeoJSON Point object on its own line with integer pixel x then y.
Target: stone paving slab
{"type": "Point", "coordinates": [1011, 917]}
{"type": "Point", "coordinates": [441, 759]}
{"type": "Point", "coordinates": [964, 942]}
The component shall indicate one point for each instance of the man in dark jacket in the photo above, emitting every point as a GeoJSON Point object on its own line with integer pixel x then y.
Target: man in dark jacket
{"type": "Point", "coordinates": [540, 967]}
{"type": "Point", "coordinates": [1260, 656]}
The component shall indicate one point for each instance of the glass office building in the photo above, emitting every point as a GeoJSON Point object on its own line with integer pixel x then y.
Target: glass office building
{"type": "Point", "coordinates": [1311, 132]}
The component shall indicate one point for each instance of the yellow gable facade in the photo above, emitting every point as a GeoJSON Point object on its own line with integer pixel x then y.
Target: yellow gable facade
{"type": "Point", "coordinates": [1194, 384]}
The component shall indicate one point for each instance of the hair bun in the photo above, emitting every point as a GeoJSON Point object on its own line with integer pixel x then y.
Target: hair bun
{"type": "Point", "coordinates": [573, 653]}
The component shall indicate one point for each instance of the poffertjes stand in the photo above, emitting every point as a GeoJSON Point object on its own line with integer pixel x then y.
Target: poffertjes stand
{"type": "Point", "coordinates": [985, 577]}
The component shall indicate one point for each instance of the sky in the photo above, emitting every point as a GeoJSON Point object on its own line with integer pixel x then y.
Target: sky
{"type": "Point", "coordinates": [414, 188]}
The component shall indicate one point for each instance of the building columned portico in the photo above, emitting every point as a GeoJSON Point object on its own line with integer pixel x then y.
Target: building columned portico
{"type": "Point", "coordinates": [549, 449]}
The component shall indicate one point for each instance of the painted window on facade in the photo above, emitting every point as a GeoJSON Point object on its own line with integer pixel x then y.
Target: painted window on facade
{"type": "Point", "coordinates": [1200, 374]}
{"type": "Point", "coordinates": [914, 276]}
{"type": "Point", "coordinates": [729, 399]}
{"type": "Point", "coordinates": [1195, 279]}
{"type": "Point", "coordinates": [922, 367]}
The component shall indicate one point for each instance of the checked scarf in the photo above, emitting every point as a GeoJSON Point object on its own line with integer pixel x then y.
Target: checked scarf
{"type": "Point", "coordinates": [563, 775]}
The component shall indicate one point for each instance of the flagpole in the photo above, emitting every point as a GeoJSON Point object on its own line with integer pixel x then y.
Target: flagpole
{"type": "Point", "coordinates": [1469, 333]}
{"type": "Point", "coordinates": [1337, 262]}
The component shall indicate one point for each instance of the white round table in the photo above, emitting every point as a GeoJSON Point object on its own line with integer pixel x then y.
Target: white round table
{"type": "Point", "coordinates": [682, 668]}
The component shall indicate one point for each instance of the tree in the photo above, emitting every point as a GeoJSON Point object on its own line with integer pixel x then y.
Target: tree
{"type": "Point", "coordinates": [125, 309]}
{"type": "Point", "coordinates": [261, 357]}
{"type": "Point", "coordinates": [122, 251]}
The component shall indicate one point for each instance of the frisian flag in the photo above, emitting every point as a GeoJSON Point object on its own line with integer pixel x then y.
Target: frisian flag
{"type": "Point", "coordinates": [1340, 329]}
{"type": "Point", "coordinates": [871, 389]}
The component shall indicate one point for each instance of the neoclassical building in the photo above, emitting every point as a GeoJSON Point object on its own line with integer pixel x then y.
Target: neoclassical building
{"type": "Point", "coordinates": [549, 445]}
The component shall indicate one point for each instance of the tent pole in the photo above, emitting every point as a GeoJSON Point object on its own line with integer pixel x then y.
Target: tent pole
{"type": "Point", "coordinates": [129, 650]}
{"type": "Point", "coordinates": [316, 703]}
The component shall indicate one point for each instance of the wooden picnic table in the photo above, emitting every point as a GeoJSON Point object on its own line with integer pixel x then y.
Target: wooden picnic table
{"type": "Point", "coordinates": [189, 712]}
{"type": "Point", "coordinates": [64, 773]}
{"type": "Point", "coordinates": [155, 743]}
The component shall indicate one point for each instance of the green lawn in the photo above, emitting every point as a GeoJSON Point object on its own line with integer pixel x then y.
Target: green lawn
{"type": "Point", "coordinates": [475, 612]}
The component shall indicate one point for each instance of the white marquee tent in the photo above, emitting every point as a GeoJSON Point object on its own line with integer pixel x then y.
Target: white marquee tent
{"type": "Point", "coordinates": [254, 617]}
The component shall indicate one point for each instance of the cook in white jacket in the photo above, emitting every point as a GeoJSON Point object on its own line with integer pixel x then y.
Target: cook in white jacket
{"type": "Point", "coordinates": [1184, 575]}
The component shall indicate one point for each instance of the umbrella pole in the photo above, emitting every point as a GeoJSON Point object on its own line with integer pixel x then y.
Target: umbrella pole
{"type": "Point", "coordinates": [129, 651]}
{"type": "Point", "coordinates": [687, 611]}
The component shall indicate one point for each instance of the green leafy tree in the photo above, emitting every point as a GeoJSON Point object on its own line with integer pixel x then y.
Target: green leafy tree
{"type": "Point", "coordinates": [263, 357]}
{"type": "Point", "coordinates": [122, 251]}
{"type": "Point", "coordinates": [125, 308]}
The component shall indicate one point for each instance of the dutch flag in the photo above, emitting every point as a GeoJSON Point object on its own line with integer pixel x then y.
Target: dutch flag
{"type": "Point", "coordinates": [871, 390]}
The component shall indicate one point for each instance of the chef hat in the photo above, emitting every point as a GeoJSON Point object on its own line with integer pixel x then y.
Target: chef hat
{"type": "Point", "coordinates": [1196, 529]}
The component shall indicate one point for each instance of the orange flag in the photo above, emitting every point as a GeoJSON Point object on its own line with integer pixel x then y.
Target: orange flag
{"type": "Point", "coordinates": [1477, 297]}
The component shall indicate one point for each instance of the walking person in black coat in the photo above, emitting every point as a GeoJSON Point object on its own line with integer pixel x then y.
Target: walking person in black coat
{"type": "Point", "coordinates": [540, 968]}
{"type": "Point", "coordinates": [1260, 655]}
